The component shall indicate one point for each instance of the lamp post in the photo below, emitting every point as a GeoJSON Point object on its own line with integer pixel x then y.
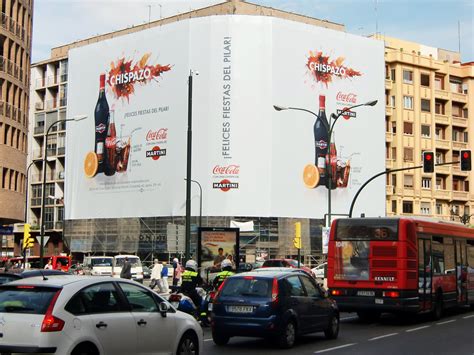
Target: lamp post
{"type": "Point", "coordinates": [200, 201]}
{"type": "Point", "coordinates": [26, 189]}
{"type": "Point", "coordinates": [329, 128]}
{"type": "Point", "coordinates": [43, 188]}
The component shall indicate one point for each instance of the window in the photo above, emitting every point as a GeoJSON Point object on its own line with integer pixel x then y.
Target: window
{"type": "Point", "coordinates": [408, 154]}
{"type": "Point", "coordinates": [394, 206]}
{"type": "Point", "coordinates": [394, 153]}
{"type": "Point", "coordinates": [439, 108]}
{"type": "Point", "coordinates": [392, 74]}
{"type": "Point", "coordinates": [394, 179]}
{"type": "Point", "coordinates": [394, 127]}
{"type": "Point", "coordinates": [455, 85]}
{"type": "Point", "coordinates": [140, 300]}
{"type": "Point", "coordinates": [392, 101]}
{"type": "Point", "coordinates": [408, 102]}
{"type": "Point", "coordinates": [425, 105]}
{"type": "Point", "coordinates": [439, 133]}
{"type": "Point", "coordinates": [425, 208]}
{"type": "Point", "coordinates": [408, 128]}
{"type": "Point", "coordinates": [426, 183]}
{"type": "Point", "coordinates": [310, 287]}
{"type": "Point", "coordinates": [439, 82]}
{"type": "Point", "coordinates": [425, 131]}
{"type": "Point", "coordinates": [440, 184]}
{"type": "Point", "coordinates": [439, 158]}
{"type": "Point", "coordinates": [34, 300]}
{"type": "Point", "coordinates": [408, 181]}
{"type": "Point", "coordinates": [437, 251]}
{"type": "Point", "coordinates": [101, 298]}
{"type": "Point", "coordinates": [407, 206]}
{"type": "Point", "coordinates": [407, 76]}
{"type": "Point", "coordinates": [439, 208]}
{"type": "Point", "coordinates": [294, 286]}
{"type": "Point", "coordinates": [456, 110]}
{"type": "Point", "coordinates": [425, 79]}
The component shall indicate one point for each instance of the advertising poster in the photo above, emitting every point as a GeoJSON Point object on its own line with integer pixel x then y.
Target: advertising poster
{"type": "Point", "coordinates": [352, 260]}
{"type": "Point", "coordinates": [128, 158]}
{"type": "Point", "coordinates": [218, 244]}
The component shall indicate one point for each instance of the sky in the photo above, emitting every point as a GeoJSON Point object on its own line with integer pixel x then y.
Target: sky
{"type": "Point", "coordinates": [430, 22]}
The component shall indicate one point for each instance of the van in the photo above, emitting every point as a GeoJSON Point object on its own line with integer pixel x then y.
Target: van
{"type": "Point", "coordinates": [137, 269]}
{"type": "Point", "coordinates": [98, 265]}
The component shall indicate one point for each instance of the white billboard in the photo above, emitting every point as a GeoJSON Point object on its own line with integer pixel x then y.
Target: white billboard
{"type": "Point", "coordinates": [250, 159]}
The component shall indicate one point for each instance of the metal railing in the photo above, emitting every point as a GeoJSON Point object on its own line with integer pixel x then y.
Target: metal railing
{"type": "Point", "coordinates": [51, 104]}
{"type": "Point", "coordinates": [63, 78]}
{"type": "Point", "coordinates": [10, 68]}
{"type": "Point", "coordinates": [58, 225]}
{"type": "Point", "coordinates": [63, 101]}
{"type": "Point", "coordinates": [13, 27]}
{"type": "Point", "coordinates": [39, 130]}
{"type": "Point", "coordinates": [36, 201]}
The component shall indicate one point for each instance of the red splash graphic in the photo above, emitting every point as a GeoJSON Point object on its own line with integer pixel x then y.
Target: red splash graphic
{"type": "Point", "coordinates": [323, 69]}
{"type": "Point", "coordinates": [124, 75]}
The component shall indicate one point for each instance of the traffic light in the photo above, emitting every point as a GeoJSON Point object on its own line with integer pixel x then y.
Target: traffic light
{"type": "Point", "coordinates": [297, 240]}
{"type": "Point", "coordinates": [28, 240]}
{"type": "Point", "coordinates": [428, 162]}
{"type": "Point", "coordinates": [466, 160]}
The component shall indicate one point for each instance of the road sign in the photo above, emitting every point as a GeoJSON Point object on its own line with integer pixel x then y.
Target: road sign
{"type": "Point", "coordinates": [45, 239]}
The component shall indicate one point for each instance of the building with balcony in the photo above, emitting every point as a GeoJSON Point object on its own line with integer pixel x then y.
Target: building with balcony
{"type": "Point", "coordinates": [15, 54]}
{"type": "Point", "coordinates": [429, 98]}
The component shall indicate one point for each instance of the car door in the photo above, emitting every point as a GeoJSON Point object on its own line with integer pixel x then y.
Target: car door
{"type": "Point", "coordinates": [299, 302]}
{"type": "Point", "coordinates": [101, 314]}
{"type": "Point", "coordinates": [155, 334]}
{"type": "Point", "coordinates": [320, 308]}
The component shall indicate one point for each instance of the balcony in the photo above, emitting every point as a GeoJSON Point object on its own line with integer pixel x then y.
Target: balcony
{"type": "Point", "coordinates": [61, 126]}
{"type": "Point", "coordinates": [389, 190]}
{"type": "Point", "coordinates": [459, 121]}
{"type": "Point", "coordinates": [426, 193]}
{"type": "Point", "coordinates": [63, 102]}
{"type": "Point", "coordinates": [388, 84]}
{"type": "Point", "coordinates": [458, 97]}
{"type": "Point", "coordinates": [58, 225]}
{"type": "Point", "coordinates": [457, 169]}
{"type": "Point", "coordinates": [60, 175]}
{"type": "Point", "coordinates": [459, 145]}
{"type": "Point", "coordinates": [443, 119]}
{"type": "Point", "coordinates": [442, 94]}
{"type": "Point", "coordinates": [442, 194]}
{"type": "Point", "coordinates": [36, 201]}
{"type": "Point", "coordinates": [51, 152]}
{"type": "Point", "coordinates": [461, 195]}
{"type": "Point", "coordinates": [40, 83]}
{"type": "Point", "coordinates": [13, 27]}
{"type": "Point", "coordinates": [38, 154]}
{"type": "Point", "coordinates": [39, 130]}
{"type": "Point", "coordinates": [63, 78]}
{"type": "Point", "coordinates": [443, 169]}
{"type": "Point", "coordinates": [39, 106]}
{"type": "Point", "coordinates": [443, 144]}
{"type": "Point", "coordinates": [388, 137]}
{"type": "Point", "coordinates": [10, 68]}
{"type": "Point", "coordinates": [51, 104]}
{"type": "Point", "coordinates": [48, 225]}
{"type": "Point", "coordinates": [61, 150]}
{"type": "Point", "coordinates": [389, 110]}
{"type": "Point", "coordinates": [52, 80]}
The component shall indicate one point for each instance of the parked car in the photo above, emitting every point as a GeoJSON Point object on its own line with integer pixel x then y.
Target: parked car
{"type": "Point", "coordinates": [319, 270]}
{"type": "Point", "coordinates": [137, 269]}
{"type": "Point", "coordinates": [286, 263]}
{"type": "Point", "coordinates": [87, 315]}
{"type": "Point", "coordinates": [277, 304]}
{"type": "Point", "coordinates": [6, 277]}
{"type": "Point", "coordinates": [98, 265]}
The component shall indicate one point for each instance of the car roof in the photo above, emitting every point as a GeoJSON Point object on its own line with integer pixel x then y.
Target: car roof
{"type": "Point", "coordinates": [99, 257]}
{"type": "Point", "coordinates": [271, 272]}
{"type": "Point", "coordinates": [56, 281]}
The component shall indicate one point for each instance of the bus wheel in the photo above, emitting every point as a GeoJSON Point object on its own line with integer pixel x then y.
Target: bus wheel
{"type": "Point", "coordinates": [368, 316]}
{"type": "Point", "coordinates": [437, 312]}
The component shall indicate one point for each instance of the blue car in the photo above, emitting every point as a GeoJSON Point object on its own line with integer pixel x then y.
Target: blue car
{"type": "Point", "coordinates": [276, 304]}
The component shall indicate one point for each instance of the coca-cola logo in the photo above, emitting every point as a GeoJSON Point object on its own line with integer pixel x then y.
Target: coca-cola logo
{"type": "Point", "coordinates": [226, 170]}
{"type": "Point", "coordinates": [225, 185]}
{"type": "Point", "coordinates": [350, 98]}
{"type": "Point", "coordinates": [155, 153]}
{"type": "Point", "coordinates": [100, 128]}
{"type": "Point", "coordinates": [321, 144]}
{"type": "Point", "coordinates": [161, 134]}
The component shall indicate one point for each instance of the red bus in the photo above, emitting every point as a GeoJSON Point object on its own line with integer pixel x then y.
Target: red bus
{"type": "Point", "coordinates": [34, 261]}
{"type": "Point", "coordinates": [400, 265]}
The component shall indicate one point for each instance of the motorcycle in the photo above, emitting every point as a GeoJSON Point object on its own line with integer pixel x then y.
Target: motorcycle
{"type": "Point", "coordinates": [185, 304]}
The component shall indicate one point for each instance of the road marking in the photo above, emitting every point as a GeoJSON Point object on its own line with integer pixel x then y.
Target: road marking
{"type": "Point", "coordinates": [335, 348]}
{"type": "Point", "coordinates": [466, 317]}
{"type": "Point", "coordinates": [207, 340]}
{"type": "Point", "coordinates": [448, 321]}
{"type": "Point", "coordinates": [415, 329]}
{"type": "Point", "coordinates": [383, 336]}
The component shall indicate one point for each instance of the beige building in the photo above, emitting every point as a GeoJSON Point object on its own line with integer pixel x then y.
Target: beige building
{"type": "Point", "coordinates": [429, 101]}
{"type": "Point", "coordinates": [15, 49]}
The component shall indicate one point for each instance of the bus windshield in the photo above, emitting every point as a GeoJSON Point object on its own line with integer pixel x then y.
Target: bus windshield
{"type": "Point", "coordinates": [366, 229]}
{"type": "Point", "coordinates": [101, 262]}
{"type": "Point", "coordinates": [135, 261]}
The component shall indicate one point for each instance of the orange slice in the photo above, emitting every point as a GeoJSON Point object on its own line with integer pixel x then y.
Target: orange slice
{"type": "Point", "coordinates": [91, 164]}
{"type": "Point", "coordinates": [311, 176]}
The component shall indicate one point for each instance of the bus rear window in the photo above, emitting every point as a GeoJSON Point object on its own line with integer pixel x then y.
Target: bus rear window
{"type": "Point", "coordinates": [366, 229]}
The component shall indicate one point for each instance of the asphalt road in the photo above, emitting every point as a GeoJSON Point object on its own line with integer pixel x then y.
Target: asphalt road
{"type": "Point", "coordinates": [453, 334]}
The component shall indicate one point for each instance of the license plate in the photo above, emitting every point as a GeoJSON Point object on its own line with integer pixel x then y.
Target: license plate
{"type": "Point", "coordinates": [175, 304]}
{"type": "Point", "coordinates": [379, 301]}
{"type": "Point", "coordinates": [366, 293]}
{"type": "Point", "coordinates": [240, 309]}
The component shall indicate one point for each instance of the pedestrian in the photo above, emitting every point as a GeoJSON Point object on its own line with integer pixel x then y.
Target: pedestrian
{"type": "Point", "coordinates": [126, 272]}
{"type": "Point", "coordinates": [59, 266]}
{"type": "Point", "coordinates": [177, 272]}
{"type": "Point", "coordinates": [49, 265]}
{"type": "Point", "coordinates": [8, 265]}
{"type": "Point", "coordinates": [164, 278]}
{"type": "Point", "coordinates": [156, 276]}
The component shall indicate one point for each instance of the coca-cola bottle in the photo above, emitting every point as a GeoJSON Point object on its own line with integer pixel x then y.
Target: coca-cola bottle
{"type": "Point", "coordinates": [110, 147]}
{"type": "Point", "coordinates": [321, 129]}
{"type": "Point", "coordinates": [101, 115]}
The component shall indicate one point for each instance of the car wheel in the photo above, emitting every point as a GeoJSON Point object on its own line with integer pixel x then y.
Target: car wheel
{"type": "Point", "coordinates": [333, 330]}
{"type": "Point", "coordinates": [288, 335]}
{"type": "Point", "coordinates": [219, 338]}
{"type": "Point", "coordinates": [188, 345]}
{"type": "Point", "coordinates": [85, 349]}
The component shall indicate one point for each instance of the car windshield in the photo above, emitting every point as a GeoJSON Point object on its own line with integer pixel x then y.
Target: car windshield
{"type": "Point", "coordinates": [247, 287]}
{"type": "Point", "coordinates": [7, 278]}
{"type": "Point", "coordinates": [134, 261]}
{"type": "Point", "coordinates": [272, 263]}
{"type": "Point", "coordinates": [294, 263]}
{"type": "Point", "coordinates": [101, 262]}
{"type": "Point", "coordinates": [26, 299]}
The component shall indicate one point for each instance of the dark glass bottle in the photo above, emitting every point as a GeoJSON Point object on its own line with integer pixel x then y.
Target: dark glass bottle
{"type": "Point", "coordinates": [321, 138]}
{"type": "Point", "coordinates": [101, 115]}
{"type": "Point", "coordinates": [110, 147]}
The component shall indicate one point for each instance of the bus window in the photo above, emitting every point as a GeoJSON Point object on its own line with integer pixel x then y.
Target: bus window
{"type": "Point", "coordinates": [367, 229]}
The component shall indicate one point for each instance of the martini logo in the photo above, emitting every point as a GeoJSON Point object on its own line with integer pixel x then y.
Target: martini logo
{"type": "Point", "coordinates": [155, 153]}
{"type": "Point", "coordinates": [100, 128]}
{"type": "Point", "coordinates": [124, 75]}
{"type": "Point", "coordinates": [225, 185]}
{"type": "Point", "coordinates": [346, 113]}
{"type": "Point", "coordinates": [323, 70]}
{"type": "Point", "coordinates": [322, 144]}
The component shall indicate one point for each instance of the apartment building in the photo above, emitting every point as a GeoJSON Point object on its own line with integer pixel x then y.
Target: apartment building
{"type": "Point", "coordinates": [429, 100]}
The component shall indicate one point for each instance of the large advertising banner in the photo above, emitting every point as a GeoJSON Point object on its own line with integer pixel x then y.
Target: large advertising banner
{"type": "Point", "coordinates": [128, 158]}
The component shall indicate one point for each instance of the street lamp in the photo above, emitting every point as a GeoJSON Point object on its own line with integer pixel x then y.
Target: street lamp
{"type": "Point", "coordinates": [200, 200]}
{"type": "Point", "coordinates": [329, 129]}
{"type": "Point", "coordinates": [43, 188]}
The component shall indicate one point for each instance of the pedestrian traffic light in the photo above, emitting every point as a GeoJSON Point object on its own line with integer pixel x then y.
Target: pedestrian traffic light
{"type": "Point", "coordinates": [428, 162]}
{"type": "Point", "coordinates": [28, 240]}
{"type": "Point", "coordinates": [297, 240]}
{"type": "Point", "coordinates": [466, 160]}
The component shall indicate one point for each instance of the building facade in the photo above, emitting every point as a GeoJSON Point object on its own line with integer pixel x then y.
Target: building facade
{"type": "Point", "coordinates": [429, 100]}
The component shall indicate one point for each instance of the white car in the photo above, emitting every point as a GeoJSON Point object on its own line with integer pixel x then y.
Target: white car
{"type": "Point", "coordinates": [318, 271]}
{"type": "Point", "coordinates": [137, 269]}
{"type": "Point", "coordinates": [98, 265]}
{"type": "Point", "coordinates": [91, 316]}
